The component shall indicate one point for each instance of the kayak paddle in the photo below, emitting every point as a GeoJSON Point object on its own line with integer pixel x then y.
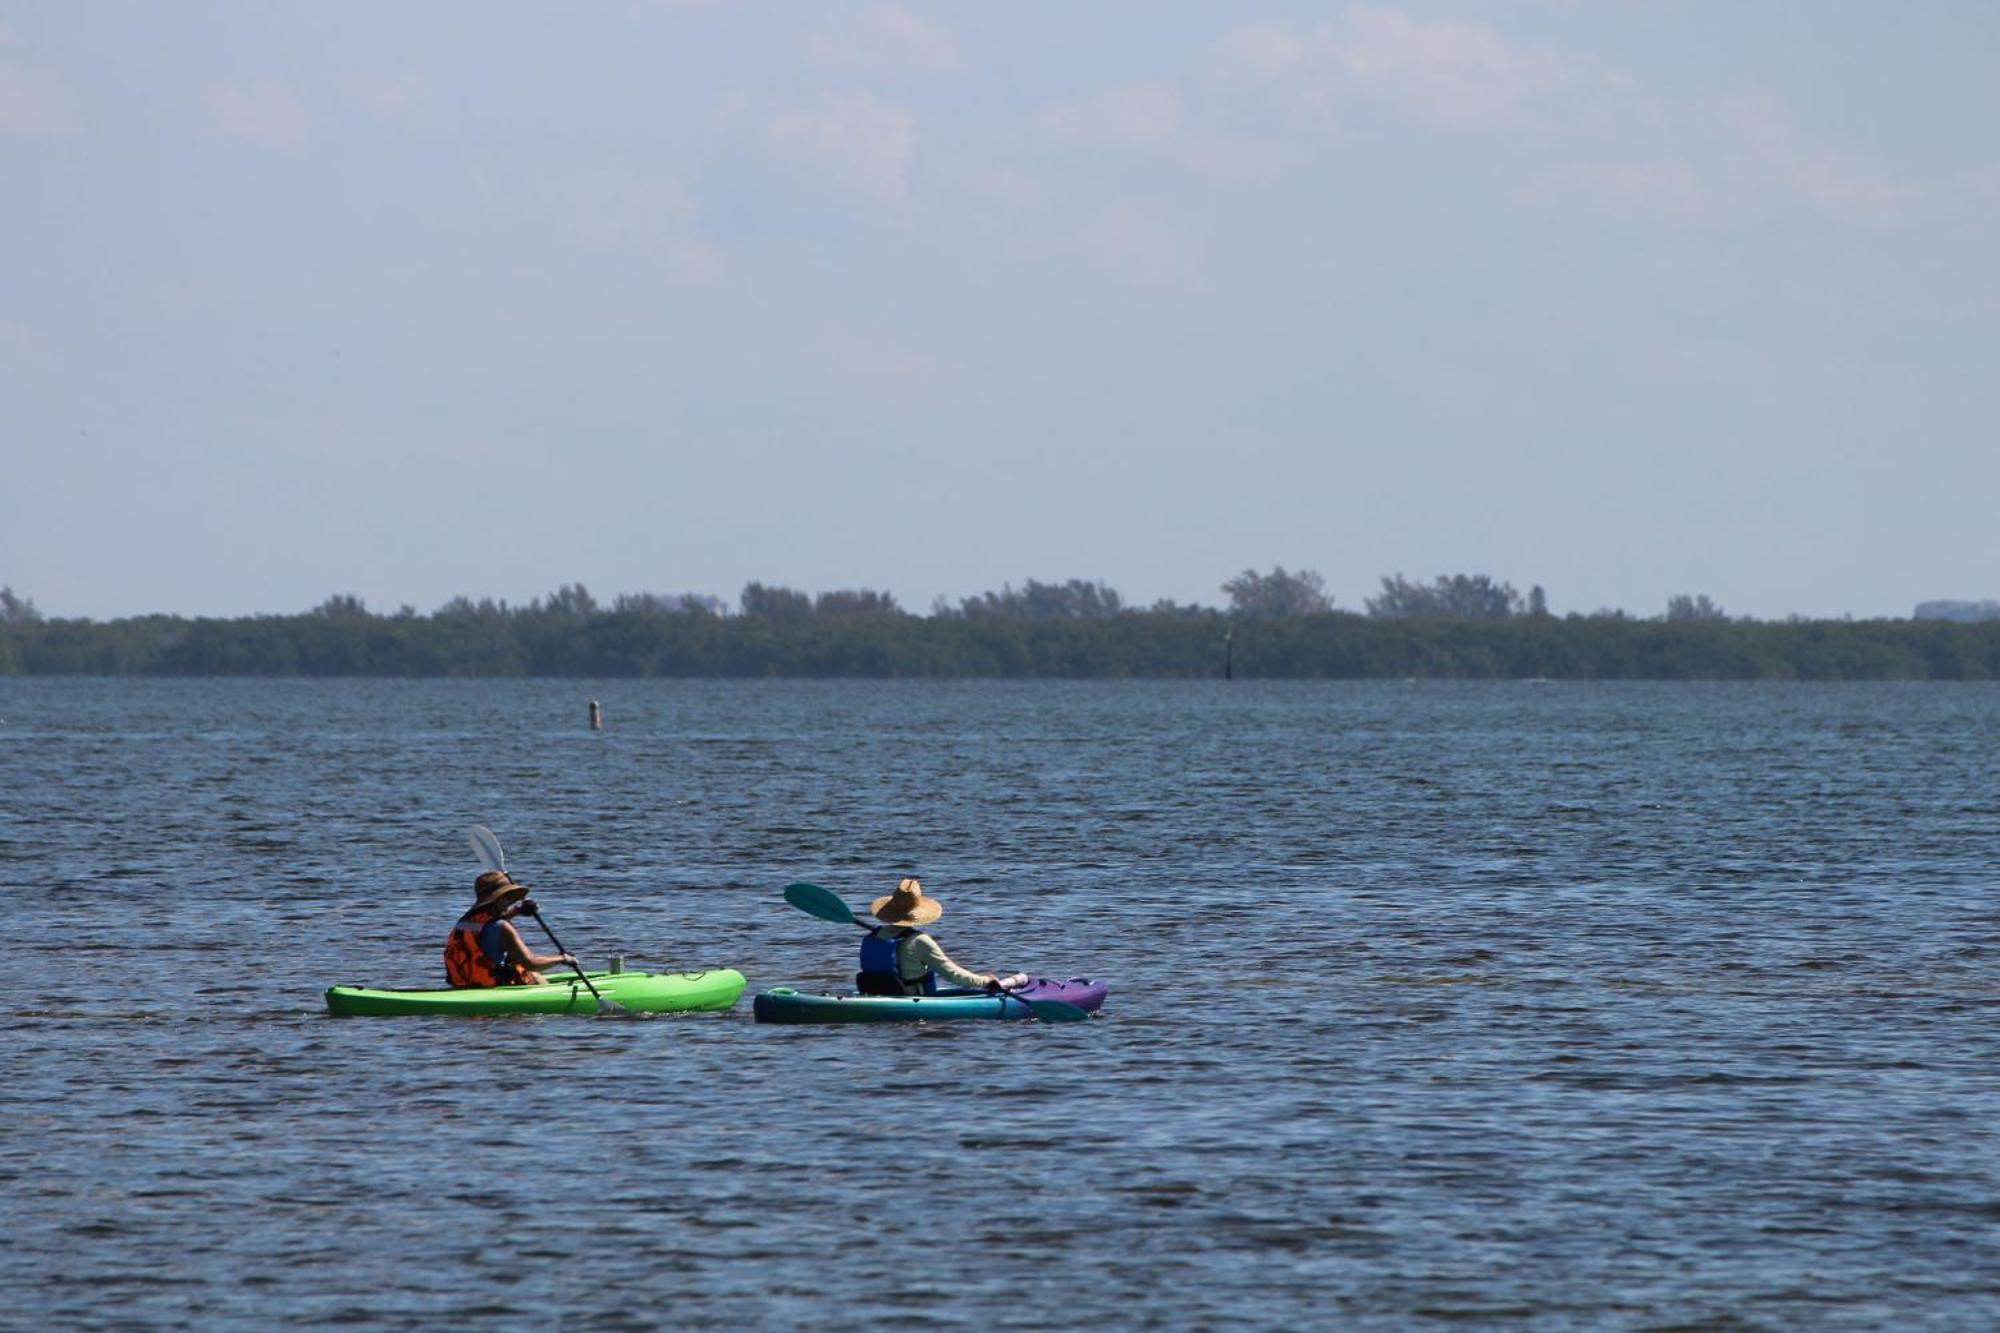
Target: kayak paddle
{"type": "Point", "coordinates": [827, 906]}
{"type": "Point", "coordinates": [486, 847]}
{"type": "Point", "coordinates": [822, 903]}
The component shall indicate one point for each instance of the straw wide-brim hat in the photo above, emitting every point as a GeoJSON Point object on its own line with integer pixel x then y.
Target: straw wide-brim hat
{"type": "Point", "coordinates": [495, 889]}
{"type": "Point", "coordinates": [907, 906]}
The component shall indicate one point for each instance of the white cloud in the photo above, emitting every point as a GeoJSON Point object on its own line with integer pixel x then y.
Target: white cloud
{"type": "Point", "coordinates": [1283, 66]}
{"type": "Point", "coordinates": [1844, 190]}
{"type": "Point", "coordinates": [1452, 75]}
{"type": "Point", "coordinates": [390, 97]}
{"type": "Point", "coordinates": [1151, 118]}
{"type": "Point", "coordinates": [1672, 193]}
{"type": "Point", "coordinates": [26, 111]}
{"type": "Point", "coordinates": [262, 113]}
{"type": "Point", "coordinates": [888, 40]}
{"type": "Point", "coordinates": [1140, 250]}
{"type": "Point", "coordinates": [1146, 115]}
{"type": "Point", "coordinates": [1008, 187]}
{"type": "Point", "coordinates": [1754, 158]}
{"type": "Point", "coordinates": [1681, 164]}
{"type": "Point", "coordinates": [1463, 76]}
{"type": "Point", "coordinates": [1258, 52]}
{"type": "Point", "coordinates": [865, 357]}
{"type": "Point", "coordinates": [653, 220]}
{"type": "Point", "coordinates": [731, 110]}
{"type": "Point", "coordinates": [1238, 159]}
{"type": "Point", "coordinates": [863, 143]}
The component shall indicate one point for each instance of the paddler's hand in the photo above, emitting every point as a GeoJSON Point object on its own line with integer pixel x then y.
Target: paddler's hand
{"type": "Point", "coordinates": [528, 907]}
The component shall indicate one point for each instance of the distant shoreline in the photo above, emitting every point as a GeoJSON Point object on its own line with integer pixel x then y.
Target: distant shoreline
{"type": "Point", "coordinates": [1182, 643]}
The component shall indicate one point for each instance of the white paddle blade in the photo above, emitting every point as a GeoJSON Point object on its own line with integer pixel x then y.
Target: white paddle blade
{"type": "Point", "coordinates": [486, 847]}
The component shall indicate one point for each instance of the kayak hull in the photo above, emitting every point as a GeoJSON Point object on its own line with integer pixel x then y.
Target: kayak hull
{"type": "Point", "coordinates": [644, 992]}
{"type": "Point", "coordinates": [784, 1004]}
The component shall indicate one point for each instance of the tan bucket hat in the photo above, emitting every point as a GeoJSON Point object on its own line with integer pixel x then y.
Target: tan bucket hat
{"type": "Point", "coordinates": [496, 889]}
{"type": "Point", "coordinates": [907, 906]}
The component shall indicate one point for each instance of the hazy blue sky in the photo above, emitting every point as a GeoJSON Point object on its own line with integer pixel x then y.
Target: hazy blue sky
{"type": "Point", "coordinates": [411, 300]}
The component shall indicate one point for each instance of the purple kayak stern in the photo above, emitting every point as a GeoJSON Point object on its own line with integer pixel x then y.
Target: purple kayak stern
{"type": "Point", "coordinates": [1082, 992]}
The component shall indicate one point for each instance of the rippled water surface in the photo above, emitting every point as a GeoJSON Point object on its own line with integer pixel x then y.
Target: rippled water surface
{"type": "Point", "coordinates": [1593, 1006]}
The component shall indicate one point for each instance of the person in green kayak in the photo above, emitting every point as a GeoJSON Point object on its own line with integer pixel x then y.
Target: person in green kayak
{"type": "Point", "coordinates": [484, 948]}
{"type": "Point", "coordinates": [899, 958]}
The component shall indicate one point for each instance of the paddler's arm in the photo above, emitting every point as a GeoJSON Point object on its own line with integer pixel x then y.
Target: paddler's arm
{"type": "Point", "coordinates": [935, 959]}
{"type": "Point", "coordinates": [520, 955]}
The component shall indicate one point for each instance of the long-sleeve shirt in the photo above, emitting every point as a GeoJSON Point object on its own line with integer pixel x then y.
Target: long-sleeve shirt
{"type": "Point", "coordinates": [921, 954]}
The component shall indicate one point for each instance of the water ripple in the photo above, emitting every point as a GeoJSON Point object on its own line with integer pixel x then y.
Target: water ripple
{"type": "Point", "coordinates": [1585, 1006]}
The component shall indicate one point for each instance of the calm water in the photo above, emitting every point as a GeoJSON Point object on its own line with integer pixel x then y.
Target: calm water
{"type": "Point", "coordinates": [1605, 1006]}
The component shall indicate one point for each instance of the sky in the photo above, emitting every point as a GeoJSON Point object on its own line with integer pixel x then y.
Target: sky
{"type": "Point", "coordinates": [1622, 298]}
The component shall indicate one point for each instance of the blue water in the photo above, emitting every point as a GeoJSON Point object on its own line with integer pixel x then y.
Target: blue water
{"type": "Point", "coordinates": [1509, 1005]}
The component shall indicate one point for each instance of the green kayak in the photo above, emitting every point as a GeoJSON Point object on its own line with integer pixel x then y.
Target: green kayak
{"type": "Point", "coordinates": [645, 992]}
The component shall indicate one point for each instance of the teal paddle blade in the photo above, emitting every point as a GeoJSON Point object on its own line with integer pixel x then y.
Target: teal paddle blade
{"type": "Point", "coordinates": [822, 903]}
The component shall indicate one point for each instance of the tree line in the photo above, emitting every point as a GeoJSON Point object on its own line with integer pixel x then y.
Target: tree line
{"type": "Point", "coordinates": [1279, 624]}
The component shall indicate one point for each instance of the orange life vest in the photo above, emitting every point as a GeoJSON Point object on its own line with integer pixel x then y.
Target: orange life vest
{"type": "Point", "coordinates": [467, 961]}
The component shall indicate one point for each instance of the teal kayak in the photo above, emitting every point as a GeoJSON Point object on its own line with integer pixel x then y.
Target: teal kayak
{"type": "Point", "coordinates": [644, 992]}
{"type": "Point", "coordinates": [784, 1004]}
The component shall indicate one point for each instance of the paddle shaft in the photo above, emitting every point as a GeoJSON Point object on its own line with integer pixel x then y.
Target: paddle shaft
{"type": "Point", "coordinates": [550, 931]}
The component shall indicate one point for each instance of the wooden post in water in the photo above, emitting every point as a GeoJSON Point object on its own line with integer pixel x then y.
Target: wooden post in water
{"type": "Point", "coordinates": [1229, 654]}
{"type": "Point", "coordinates": [596, 716]}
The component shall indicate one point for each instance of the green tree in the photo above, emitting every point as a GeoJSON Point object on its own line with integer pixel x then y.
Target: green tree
{"type": "Point", "coordinates": [851, 602]}
{"type": "Point", "coordinates": [341, 606]}
{"type": "Point", "coordinates": [664, 604]}
{"type": "Point", "coordinates": [1078, 599]}
{"type": "Point", "coordinates": [16, 610]}
{"type": "Point", "coordinates": [774, 603]}
{"type": "Point", "coordinates": [1467, 596]}
{"type": "Point", "coordinates": [572, 599]}
{"type": "Point", "coordinates": [1278, 594]}
{"type": "Point", "coordinates": [1682, 608]}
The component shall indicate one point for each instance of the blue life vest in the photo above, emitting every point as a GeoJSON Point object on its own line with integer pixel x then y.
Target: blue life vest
{"type": "Point", "coordinates": [882, 968]}
{"type": "Point", "coordinates": [493, 943]}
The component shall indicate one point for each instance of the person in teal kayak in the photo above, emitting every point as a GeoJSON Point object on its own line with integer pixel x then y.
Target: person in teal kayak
{"type": "Point", "coordinates": [899, 958]}
{"type": "Point", "coordinates": [484, 948]}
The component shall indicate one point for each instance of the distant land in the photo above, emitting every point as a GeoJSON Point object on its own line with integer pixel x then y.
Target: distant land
{"type": "Point", "coordinates": [1279, 624]}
